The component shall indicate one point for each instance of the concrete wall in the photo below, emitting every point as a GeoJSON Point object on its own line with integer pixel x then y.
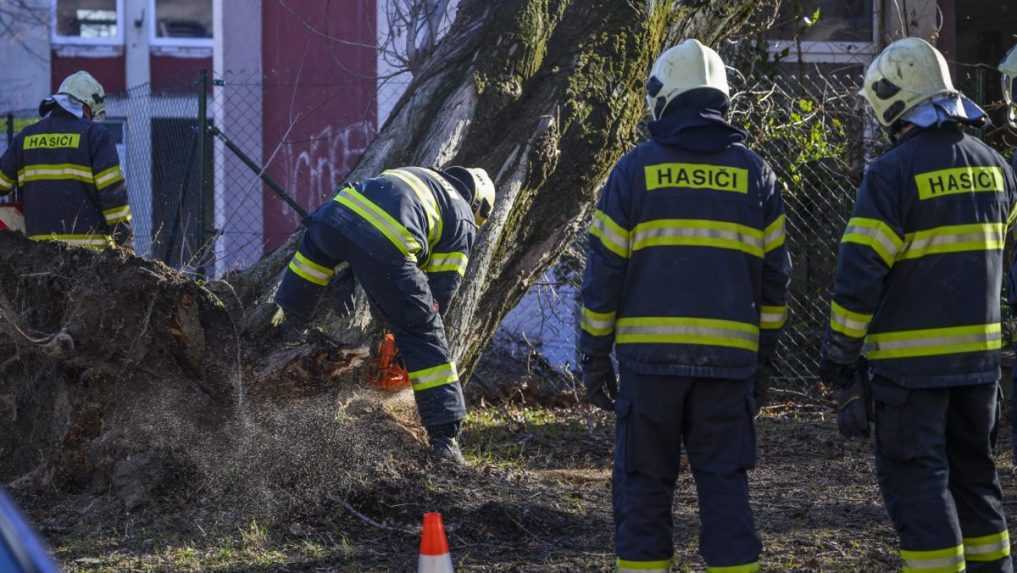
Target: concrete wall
{"type": "Point", "coordinates": [237, 109]}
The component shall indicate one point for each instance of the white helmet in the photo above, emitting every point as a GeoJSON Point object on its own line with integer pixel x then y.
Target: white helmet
{"type": "Point", "coordinates": [479, 187]}
{"type": "Point", "coordinates": [907, 73]}
{"type": "Point", "coordinates": [86, 89]}
{"type": "Point", "coordinates": [687, 66]}
{"type": "Point", "coordinates": [1008, 67]}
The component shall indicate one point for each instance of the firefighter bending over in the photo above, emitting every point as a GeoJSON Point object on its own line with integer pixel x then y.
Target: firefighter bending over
{"type": "Point", "coordinates": [407, 235]}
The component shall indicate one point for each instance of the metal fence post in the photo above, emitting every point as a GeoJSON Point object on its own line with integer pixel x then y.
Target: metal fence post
{"type": "Point", "coordinates": [10, 129]}
{"type": "Point", "coordinates": [202, 175]}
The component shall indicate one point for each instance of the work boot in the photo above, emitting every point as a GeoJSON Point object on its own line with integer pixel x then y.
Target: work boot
{"type": "Point", "coordinates": [445, 443]}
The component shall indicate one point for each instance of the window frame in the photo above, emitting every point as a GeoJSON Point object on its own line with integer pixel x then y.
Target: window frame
{"type": "Point", "coordinates": [813, 52]}
{"type": "Point", "coordinates": [58, 40]}
{"type": "Point", "coordinates": [160, 42]}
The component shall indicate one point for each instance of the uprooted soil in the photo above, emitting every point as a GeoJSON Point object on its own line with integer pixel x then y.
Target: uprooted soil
{"type": "Point", "coordinates": [536, 498]}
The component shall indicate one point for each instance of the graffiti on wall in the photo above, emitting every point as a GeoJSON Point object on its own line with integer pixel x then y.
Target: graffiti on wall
{"type": "Point", "coordinates": [316, 167]}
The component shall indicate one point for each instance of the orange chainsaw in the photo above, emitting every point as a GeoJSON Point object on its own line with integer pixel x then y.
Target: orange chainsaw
{"type": "Point", "coordinates": [391, 374]}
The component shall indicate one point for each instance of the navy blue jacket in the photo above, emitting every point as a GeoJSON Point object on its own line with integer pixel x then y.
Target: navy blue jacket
{"type": "Point", "coordinates": [920, 266]}
{"type": "Point", "coordinates": [687, 271]}
{"type": "Point", "coordinates": [414, 213]}
{"type": "Point", "coordinates": [70, 180]}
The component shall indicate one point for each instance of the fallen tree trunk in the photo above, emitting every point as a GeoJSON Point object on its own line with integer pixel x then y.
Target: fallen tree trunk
{"type": "Point", "coordinates": [106, 359]}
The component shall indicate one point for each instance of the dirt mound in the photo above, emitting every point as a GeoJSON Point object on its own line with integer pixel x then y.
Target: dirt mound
{"type": "Point", "coordinates": [121, 374]}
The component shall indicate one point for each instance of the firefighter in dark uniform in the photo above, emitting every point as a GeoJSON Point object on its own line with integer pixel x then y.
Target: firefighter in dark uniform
{"type": "Point", "coordinates": [67, 170]}
{"type": "Point", "coordinates": [686, 280]}
{"type": "Point", "coordinates": [407, 235]}
{"type": "Point", "coordinates": [917, 292]}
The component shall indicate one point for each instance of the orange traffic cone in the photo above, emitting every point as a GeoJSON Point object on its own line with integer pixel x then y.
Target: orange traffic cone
{"type": "Point", "coordinates": [434, 555]}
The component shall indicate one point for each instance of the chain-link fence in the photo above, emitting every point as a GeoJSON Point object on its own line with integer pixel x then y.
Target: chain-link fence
{"type": "Point", "coordinates": [211, 204]}
{"type": "Point", "coordinates": [813, 131]}
{"type": "Point", "coordinates": [207, 205]}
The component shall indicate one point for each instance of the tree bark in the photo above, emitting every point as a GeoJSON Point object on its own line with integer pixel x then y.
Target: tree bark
{"type": "Point", "coordinates": [546, 95]}
{"type": "Point", "coordinates": [105, 358]}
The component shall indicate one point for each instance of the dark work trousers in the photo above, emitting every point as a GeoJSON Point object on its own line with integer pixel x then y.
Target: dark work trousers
{"type": "Point", "coordinates": [400, 297]}
{"type": "Point", "coordinates": [938, 478]}
{"type": "Point", "coordinates": [713, 419]}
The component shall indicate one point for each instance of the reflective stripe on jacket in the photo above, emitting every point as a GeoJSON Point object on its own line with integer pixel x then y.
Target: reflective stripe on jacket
{"type": "Point", "coordinates": [70, 179]}
{"type": "Point", "coordinates": [920, 266]}
{"type": "Point", "coordinates": [414, 213]}
{"type": "Point", "coordinates": [687, 271]}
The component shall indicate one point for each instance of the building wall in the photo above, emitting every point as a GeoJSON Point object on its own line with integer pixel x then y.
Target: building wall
{"type": "Point", "coordinates": [237, 110]}
{"type": "Point", "coordinates": [25, 65]}
{"type": "Point", "coordinates": [320, 100]}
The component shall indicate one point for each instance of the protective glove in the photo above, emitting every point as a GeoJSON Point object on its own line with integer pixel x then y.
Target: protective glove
{"type": "Point", "coordinates": [288, 329]}
{"type": "Point", "coordinates": [853, 410]}
{"type": "Point", "coordinates": [600, 380]}
{"type": "Point", "coordinates": [123, 236]}
{"type": "Point", "coordinates": [848, 381]}
{"type": "Point", "coordinates": [761, 386]}
{"type": "Point", "coordinates": [837, 375]}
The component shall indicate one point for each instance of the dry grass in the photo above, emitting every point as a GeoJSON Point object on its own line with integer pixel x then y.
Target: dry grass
{"type": "Point", "coordinates": [537, 498]}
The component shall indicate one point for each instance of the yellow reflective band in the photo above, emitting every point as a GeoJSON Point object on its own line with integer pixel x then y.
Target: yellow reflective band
{"type": "Point", "coordinates": [108, 177]}
{"type": "Point", "coordinates": [698, 233]}
{"type": "Point", "coordinates": [774, 234]}
{"type": "Point", "coordinates": [848, 323]}
{"type": "Point", "coordinates": [433, 377]}
{"type": "Point", "coordinates": [953, 239]}
{"type": "Point", "coordinates": [988, 547]}
{"type": "Point", "coordinates": [949, 560]}
{"type": "Point", "coordinates": [397, 234]}
{"type": "Point", "coordinates": [611, 234]}
{"type": "Point", "coordinates": [448, 263]}
{"type": "Point", "coordinates": [1009, 220]}
{"type": "Point", "coordinates": [310, 271]}
{"type": "Point", "coordinates": [772, 317]}
{"type": "Point", "coordinates": [6, 184]}
{"type": "Point", "coordinates": [747, 568]}
{"type": "Point", "coordinates": [423, 191]}
{"type": "Point", "coordinates": [597, 323]}
{"type": "Point", "coordinates": [959, 180]}
{"type": "Point", "coordinates": [696, 176]}
{"type": "Point", "coordinates": [53, 141]}
{"type": "Point", "coordinates": [117, 214]}
{"type": "Point", "coordinates": [89, 241]}
{"type": "Point", "coordinates": [662, 566]}
{"type": "Point", "coordinates": [876, 235]}
{"type": "Point", "coordinates": [682, 330]}
{"type": "Point", "coordinates": [58, 172]}
{"type": "Point", "coordinates": [933, 341]}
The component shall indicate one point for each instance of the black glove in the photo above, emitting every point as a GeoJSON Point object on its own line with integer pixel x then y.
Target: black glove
{"type": "Point", "coordinates": [848, 380]}
{"type": "Point", "coordinates": [123, 236]}
{"type": "Point", "coordinates": [837, 375]}
{"type": "Point", "coordinates": [853, 410]}
{"type": "Point", "coordinates": [761, 386]}
{"type": "Point", "coordinates": [600, 380]}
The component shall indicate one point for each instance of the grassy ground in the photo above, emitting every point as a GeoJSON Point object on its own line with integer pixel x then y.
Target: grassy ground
{"type": "Point", "coordinates": [537, 498]}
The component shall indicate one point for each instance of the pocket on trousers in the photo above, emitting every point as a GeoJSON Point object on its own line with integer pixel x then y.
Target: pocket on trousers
{"type": "Point", "coordinates": [895, 428]}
